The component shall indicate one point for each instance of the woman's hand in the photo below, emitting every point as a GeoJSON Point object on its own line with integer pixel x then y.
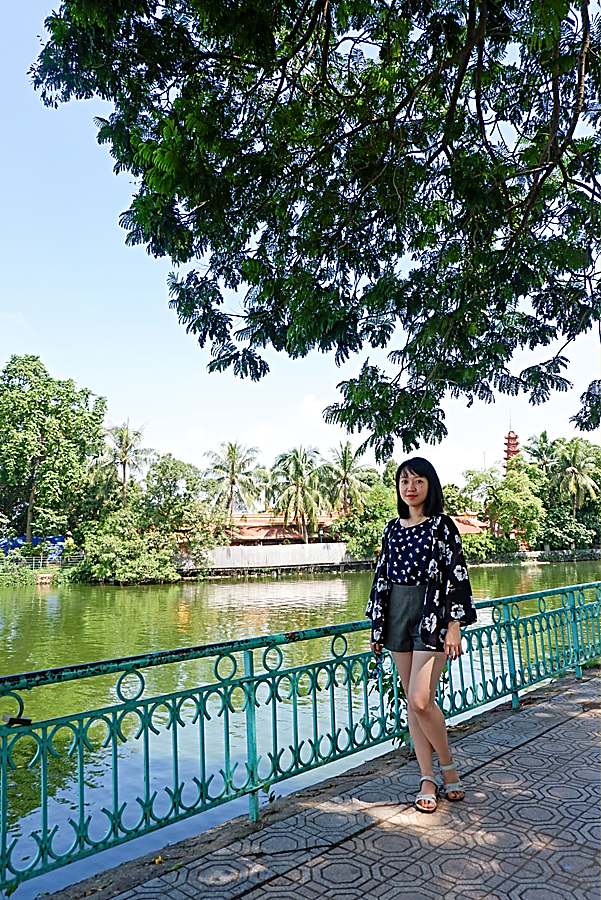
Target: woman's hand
{"type": "Point", "coordinates": [376, 648]}
{"type": "Point", "coordinates": [452, 641]}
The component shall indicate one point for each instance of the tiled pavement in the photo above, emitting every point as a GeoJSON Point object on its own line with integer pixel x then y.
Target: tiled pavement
{"type": "Point", "coordinates": [527, 830]}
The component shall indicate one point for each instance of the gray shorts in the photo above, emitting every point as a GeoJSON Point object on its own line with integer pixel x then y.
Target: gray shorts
{"type": "Point", "coordinates": [401, 625]}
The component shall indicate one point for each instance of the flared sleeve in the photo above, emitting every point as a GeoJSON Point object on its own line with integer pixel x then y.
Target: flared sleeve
{"type": "Point", "coordinates": [380, 590]}
{"type": "Point", "coordinates": [459, 602]}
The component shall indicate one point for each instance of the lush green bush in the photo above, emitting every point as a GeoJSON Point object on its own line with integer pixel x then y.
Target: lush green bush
{"type": "Point", "coordinates": [506, 546]}
{"type": "Point", "coordinates": [477, 547]}
{"type": "Point", "coordinates": [590, 517]}
{"type": "Point", "coordinates": [561, 531]}
{"type": "Point", "coordinates": [35, 550]}
{"type": "Point", "coordinates": [119, 551]}
{"type": "Point", "coordinates": [362, 529]}
{"type": "Point", "coordinates": [485, 547]}
{"type": "Point", "coordinates": [12, 570]}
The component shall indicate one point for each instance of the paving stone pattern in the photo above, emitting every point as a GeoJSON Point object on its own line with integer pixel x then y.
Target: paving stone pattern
{"type": "Point", "coordinates": [528, 828]}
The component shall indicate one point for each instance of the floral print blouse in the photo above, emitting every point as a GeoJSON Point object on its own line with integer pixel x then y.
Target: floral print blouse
{"type": "Point", "coordinates": [448, 590]}
{"type": "Point", "coordinates": [409, 552]}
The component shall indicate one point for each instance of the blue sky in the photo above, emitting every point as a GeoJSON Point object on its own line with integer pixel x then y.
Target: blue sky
{"type": "Point", "coordinates": [97, 311]}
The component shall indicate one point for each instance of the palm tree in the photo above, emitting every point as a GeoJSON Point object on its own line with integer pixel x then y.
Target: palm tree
{"type": "Point", "coordinates": [263, 482]}
{"type": "Point", "coordinates": [126, 452]}
{"type": "Point", "coordinates": [102, 477]}
{"type": "Point", "coordinates": [297, 490]}
{"type": "Point", "coordinates": [543, 452]}
{"type": "Point", "coordinates": [235, 475]}
{"type": "Point", "coordinates": [577, 465]}
{"type": "Point", "coordinates": [344, 478]}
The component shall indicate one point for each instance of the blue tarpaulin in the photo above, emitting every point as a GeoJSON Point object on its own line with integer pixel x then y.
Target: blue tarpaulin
{"type": "Point", "coordinates": [56, 541]}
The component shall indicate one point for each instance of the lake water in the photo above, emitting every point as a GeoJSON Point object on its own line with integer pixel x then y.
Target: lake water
{"type": "Point", "coordinates": [45, 627]}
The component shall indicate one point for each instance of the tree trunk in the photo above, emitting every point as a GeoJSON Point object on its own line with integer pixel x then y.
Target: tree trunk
{"type": "Point", "coordinates": [29, 520]}
{"type": "Point", "coordinates": [574, 507]}
{"type": "Point", "coordinates": [304, 530]}
{"type": "Point", "coordinates": [28, 526]}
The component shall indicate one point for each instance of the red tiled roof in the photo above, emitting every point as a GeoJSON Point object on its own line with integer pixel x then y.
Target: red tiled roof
{"type": "Point", "coordinates": [265, 533]}
{"type": "Point", "coordinates": [469, 524]}
{"type": "Point", "coordinates": [268, 527]}
{"type": "Point", "coordinates": [254, 519]}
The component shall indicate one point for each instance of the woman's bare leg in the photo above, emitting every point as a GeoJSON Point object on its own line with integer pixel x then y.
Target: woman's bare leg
{"type": "Point", "coordinates": [426, 669]}
{"type": "Point", "coordinates": [421, 744]}
{"type": "Point", "coordinates": [423, 747]}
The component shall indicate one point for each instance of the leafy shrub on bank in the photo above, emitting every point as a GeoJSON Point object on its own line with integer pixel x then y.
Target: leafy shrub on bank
{"type": "Point", "coordinates": [119, 551]}
{"type": "Point", "coordinates": [12, 570]}
{"type": "Point", "coordinates": [477, 547]}
{"type": "Point", "coordinates": [561, 530]}
{"type": "Point", "coordinates": [486, 547]}
{"type": "Point", "coordinates": [362, 528]}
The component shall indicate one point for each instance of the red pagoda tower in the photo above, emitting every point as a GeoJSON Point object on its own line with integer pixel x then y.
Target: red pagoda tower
{"type": "Point", "coordinates": [512, 447]}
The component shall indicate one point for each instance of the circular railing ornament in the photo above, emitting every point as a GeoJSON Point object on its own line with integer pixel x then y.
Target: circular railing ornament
{"type": "Point", "coordinates": [273, 659]}
{"type": "Point", "coordinates": [339, 646]}
{"type": "Point", "coordinates": [220, 668]}
{"type": "Point", "coordinates": [130, 686]}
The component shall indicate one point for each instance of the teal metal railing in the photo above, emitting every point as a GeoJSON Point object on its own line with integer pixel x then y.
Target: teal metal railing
{"type": "Point", "coordinates": [238, 717]}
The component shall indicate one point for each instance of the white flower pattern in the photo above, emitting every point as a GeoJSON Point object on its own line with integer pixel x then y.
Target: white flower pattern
{"type": "Point", "coordinates": [429, 622]}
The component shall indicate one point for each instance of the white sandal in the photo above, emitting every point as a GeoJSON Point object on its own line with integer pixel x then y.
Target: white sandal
{"type": "Point", "coordinates": [431, 798]}
{"type": "Point", "coordinates": [452, 785]}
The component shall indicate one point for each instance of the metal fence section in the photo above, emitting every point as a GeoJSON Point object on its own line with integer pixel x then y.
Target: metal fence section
{"type": "Point", "coordinates": [238, 717]}
{"type": "Point", "coordinates": [50, 560]}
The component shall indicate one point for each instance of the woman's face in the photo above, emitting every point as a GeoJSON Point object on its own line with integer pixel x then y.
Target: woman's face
{"type": "Point", "coordinates": [413, 489]}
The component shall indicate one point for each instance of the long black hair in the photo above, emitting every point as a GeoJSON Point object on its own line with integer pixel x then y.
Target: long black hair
{"type": "Point", "coordinates": [434, 502]}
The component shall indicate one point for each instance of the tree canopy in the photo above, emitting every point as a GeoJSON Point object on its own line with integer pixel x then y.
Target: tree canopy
{"type": "Point", "coordinates": [172, 487]}
{"type": "Point", "coordinates": [578, 463]}
{"type": "Point", "coordinates": [513, 504]}
{"type": "Point", "coordinates": [51, 430]}
{"type": "Point", "coordinates": [345, 478]}
{"type": "Point", "coordinates": [420, 176]}
{"type": "Point", "coordinates": [127, 453]}
{"type": "Point", "coordinates": [298, 488]}
{"type": "Point", "coordinates": [235, 475]}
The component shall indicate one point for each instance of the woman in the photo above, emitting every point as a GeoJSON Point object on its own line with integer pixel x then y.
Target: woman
{"type": "Point", "coordinates": [420, 597]}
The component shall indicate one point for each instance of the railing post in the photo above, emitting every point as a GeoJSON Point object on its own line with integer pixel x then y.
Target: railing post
{"type": "Point", "coordinates": [574, 634]}
{"type": "Point", "coordinates": [515, 697]}
{"type": "Point", "coordinates": [251, 734]}
{"type": "Point", "coordinates": [3, 810]}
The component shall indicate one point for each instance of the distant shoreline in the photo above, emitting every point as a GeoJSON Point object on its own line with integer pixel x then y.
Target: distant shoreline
{"type": "Point", "coordinates": [367, 565]}
{"type": "Point", "coordinates": [534, 558]}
